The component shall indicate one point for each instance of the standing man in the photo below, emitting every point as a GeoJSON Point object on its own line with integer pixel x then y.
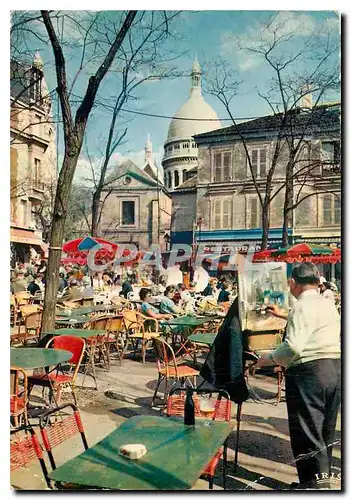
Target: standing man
{"type": "Point", "coordinates": [311, 355]}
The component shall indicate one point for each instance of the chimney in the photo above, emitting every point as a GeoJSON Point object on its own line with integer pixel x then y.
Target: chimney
{"type": "Point", "coordinates": [306, 97]}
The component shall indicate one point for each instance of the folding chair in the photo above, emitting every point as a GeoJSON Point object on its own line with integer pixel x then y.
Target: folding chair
{"type": "Point", "coordinates": [168, 369]}
{"type": "Point", "coordinates": [221, 412]}
{"type": "Point", "coordinates": [24, 448]}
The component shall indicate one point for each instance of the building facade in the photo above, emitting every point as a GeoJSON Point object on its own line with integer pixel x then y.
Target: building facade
{"type": "Point", "coordinates": [180, 149]}
{"type": "Point", "coordinates": [225, 197]}
{"type": "Point", "coordinates": [138, 207]}
{"type": "Point", "coordinates": [32, 157]}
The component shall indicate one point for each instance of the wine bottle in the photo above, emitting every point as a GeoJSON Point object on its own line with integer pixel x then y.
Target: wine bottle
{"type": "Point", "coordinates": [189, 409]}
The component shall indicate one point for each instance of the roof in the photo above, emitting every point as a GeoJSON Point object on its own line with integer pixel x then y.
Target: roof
{"type": "Point", "coordinates": [129, 168]}
{"type": "Point", "coordinates": [189, 184]}
{"type": "Point", "coordinates": [324, 118]}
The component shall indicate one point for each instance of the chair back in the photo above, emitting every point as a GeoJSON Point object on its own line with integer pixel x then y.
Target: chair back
{"type": "Point", "coordinates": [116, 323]}
{"type": "Point", "coordinates": [24, 448]}
{"type": "Point", "coordinates": [99, 323]}
{"type": "Point", "coordinates": [56, 427]}
{"type": "Point", "coordinates": [75, 345]}
{"type": "Point", "coordinates": [33, 321]}
{"type": "Point", "coordinates": [29, 309]}
{"type": "Point", "coordinates": [165, 356]}
{"type": "Point", "coordinates": [18, 391]}
{"type": "Point", "coordinates": [130, 319]}
{"type": "Point", "coordinates": [221, 409]}
{"type": "Point", "coordinates": [22, 298]}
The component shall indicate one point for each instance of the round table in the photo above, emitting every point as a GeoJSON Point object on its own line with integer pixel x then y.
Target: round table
{"type": "Point", "coordinates": [36, 357]}
{"type": "Point", "coordinates": [78, 320]}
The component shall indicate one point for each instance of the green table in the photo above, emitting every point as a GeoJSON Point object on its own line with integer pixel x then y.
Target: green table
{"type": "Point", "coordinates": [191, 321]}
{"type": "Point", "coordinates": [78, 320]}
{"type": "Point", "coordinates": [177, 455]}
{"type": "Point", "coordinates": [84, 333]}
{"type": "Point", "coordinates": [36, 357]}
{"type": "Point", "coordinates": [202, 338]}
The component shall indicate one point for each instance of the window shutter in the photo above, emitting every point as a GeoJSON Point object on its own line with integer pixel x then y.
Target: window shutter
{"type": "Point", "coordinates": [263, 162]}
{"type": "Point", "coordinates": [226, 166]}
{"type": "Point", "coordinates": [217, 214]}
{"type": "Point", "coordinates": [227, 214]}
{"type": "Point", "coordinates": [327, 210]}
{"type": "Point", "coordinates": [218, 165]}
{"type": "Point", "coordinates": [253, 212]}
{"type": "Point", "coordinates": [254, 162]}
{"type": "Point", "coordinates": [337, 210]}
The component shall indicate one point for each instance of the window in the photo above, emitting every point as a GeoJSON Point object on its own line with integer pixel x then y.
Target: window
{"type": "Point", "coordinates": [37, 171]}
{"type": "Point", "coordinates": [169, 180]}
{"type": "Point", "coordinates": [186, 145]}
{"type": "Point", "coordinates": [193, 145]}
{"type": "Point", "coordinates": [223, 213]}
{"type": "Point", "coordinates": [184, 175]}
{"type": "Point", "coordinates": [176, 178]}
{"type": "Point", "coordinates": [176, 146]}
{"type": "Point", "coordinates": [128, 213]}
{"type": "Point", "coordinates": [255, 213]}
{"type": "Point", "coordinates": [258, 163]}
{"type": "Point", "coordinates": [331, 152]}
{"type": "Point", "coordinates": [303, 213]}
{"type": "Point", "coordinates": [331, 210]}
{"type": "Point", "coordinates": [222, 164]}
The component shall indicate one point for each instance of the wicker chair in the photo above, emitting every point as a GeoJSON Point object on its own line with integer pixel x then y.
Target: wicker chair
{"type": "Point", "coordinates": [18, 396]}
{"type": "Point", "coordinates": [169, 370]}
{"type": "Point", "coordinates": [29, 325]}
{"type": "Point", "coordinates": [140, 329]}
{"type": "Point", "coordinates": [221, 411]}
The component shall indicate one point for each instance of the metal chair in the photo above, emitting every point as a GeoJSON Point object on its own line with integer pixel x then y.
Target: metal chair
{"type": "Point", "coordinates": [18, 395]}
{"type": "Point", "coordinates": [221, 412]}
{"type": "Point", "coordinates": [168, 369]}
{"type": "Point", "coordinates": [25, 448]}
{"type": "Point", "coordinates": [138, 329]}
{"type": "Point", "coordinates": [56, 427]}
{"type": "Point", "coordinates": [56, 380]}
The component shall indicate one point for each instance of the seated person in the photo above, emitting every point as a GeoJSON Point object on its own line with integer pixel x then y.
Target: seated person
{"type": "Point", "coordinates": [126, 288]}
{"type": "Point", "coordinates": [177, 294]}
{"type": "Point", "coordinates": [63, 283]}
{"type": "Point", "coordinates": [149, 310]}
{"type": "Point", "coordinates": [167, 305]}
{"type": "Point", "coordinates": [224, 294]}
{"type": "Point", "coordinates": [210, 289]}
{"type": "Point", "coordinates": [72, 292]}
{"type": "Point", "coordinates": [33, 287]}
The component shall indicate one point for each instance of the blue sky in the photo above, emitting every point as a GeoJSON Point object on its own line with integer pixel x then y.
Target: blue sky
{"type": "Point", "coordinates": [207, 34]}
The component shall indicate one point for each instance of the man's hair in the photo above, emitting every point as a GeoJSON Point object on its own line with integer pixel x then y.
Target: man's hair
{"type": "Point", "coordinates": [306, 274]}
{"type": "Point", "coordinates": [169, 289]}
{"type": "Point", "coordinates": [144, 292]}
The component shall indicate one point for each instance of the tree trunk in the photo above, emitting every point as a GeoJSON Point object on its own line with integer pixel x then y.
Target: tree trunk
{"type": "Point", "coordinates": [95, 213]}
{"type": "Point", "coordinates": [265, 226]}
{"type": "Point", "coordinates": [288, 204]}
{"type": "Point", "coordinates": [56, 239]}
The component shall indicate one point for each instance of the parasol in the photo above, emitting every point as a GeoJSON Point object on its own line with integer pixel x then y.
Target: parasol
{"type": "Point", "coordinates": [300, 252]}
{"type": "Point", "coordinates": [78, 249]}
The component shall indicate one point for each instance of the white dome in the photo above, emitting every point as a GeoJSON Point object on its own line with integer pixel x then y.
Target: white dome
{"type": "Point", "coordinates": [196, 108]}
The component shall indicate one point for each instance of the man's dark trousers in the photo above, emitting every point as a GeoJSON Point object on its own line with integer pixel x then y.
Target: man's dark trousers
{"type": "Point", "coordinates": [313, 400]}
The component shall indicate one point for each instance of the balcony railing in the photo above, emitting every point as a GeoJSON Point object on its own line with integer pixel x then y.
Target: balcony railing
{"type": "Point", "coordinates": [331, 169]}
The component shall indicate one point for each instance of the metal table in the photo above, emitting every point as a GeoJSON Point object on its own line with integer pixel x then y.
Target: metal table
{"type": "Point", "coordinates": [36, 357]}
{"type": "Point", "coordinates": [84, 333]}
{"type": "Point", "coordinates": [187, 325]}
{"type": "Point", "coordinates": [177, 455]}
{"type": "Point", "coordinates": [78, 320]}
{"type": "Point", "coordinates": [202, 338]}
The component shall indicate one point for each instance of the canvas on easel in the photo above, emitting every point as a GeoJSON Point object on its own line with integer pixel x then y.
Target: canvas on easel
{"type": "Point", "coordinates": [260, 285]}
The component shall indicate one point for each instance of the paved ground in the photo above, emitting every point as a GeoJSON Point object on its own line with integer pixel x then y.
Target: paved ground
{"type": "Point", "coordinates": [265, 459]}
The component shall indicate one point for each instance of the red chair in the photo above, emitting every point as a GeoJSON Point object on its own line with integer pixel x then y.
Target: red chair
{"type": "Point", "coordinates": [222, 412]}
{"type": "Point", "coordinates": [57, 427]}
{"type": "Point", "coordinates": [24, 448]}
{"type": "Point", "coordinates": [56, 380]}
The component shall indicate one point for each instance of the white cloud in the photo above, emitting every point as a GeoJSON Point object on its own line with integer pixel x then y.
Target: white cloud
{"type": "Point", "coordinates": [285, 24]}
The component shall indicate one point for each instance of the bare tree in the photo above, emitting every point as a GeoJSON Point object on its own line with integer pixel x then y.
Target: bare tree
{"type": "Point", "coordinates": [300, 67]}
{"type": "Point", "coordinates": [74, 129]}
